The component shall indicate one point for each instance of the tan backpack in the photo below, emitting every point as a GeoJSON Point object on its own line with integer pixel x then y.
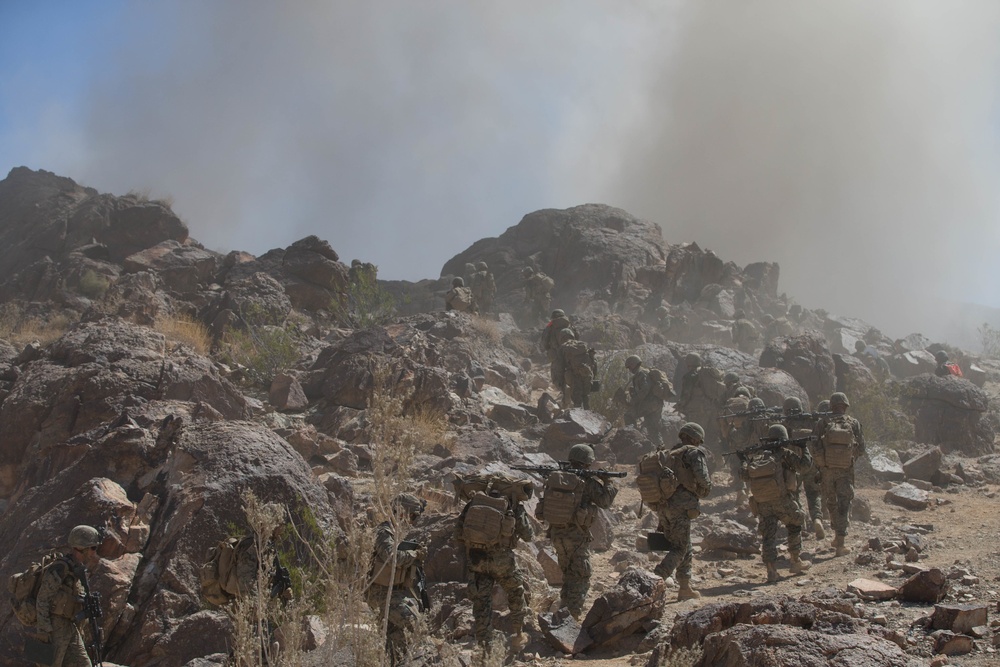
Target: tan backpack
{"type": "Point", "coordinates": [838, 445]}
{"type": "Point", "coordinates": [23, 589]}
{"type": "Point", "coordinates": [401, 575]}
{"type": "Point", "coordinates": [768, 480]}
{"type": "Point", "coordinates": [517, 489]}
{"type": "Point", "coordinates": [489, 522]}
{"type": "Point", "coordinates": [562, 499]}
{"type": "Point", "coordinates": [218, 575]}
{"type": "Point", "coordinates": [656, 478]}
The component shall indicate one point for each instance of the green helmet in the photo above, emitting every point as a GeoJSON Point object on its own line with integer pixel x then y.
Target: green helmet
{"type": "Point", "coordinates": [470, 267]}
{"type": "Point", "coordinates": [941, 356]}
{"type": "Point", "coordinates": [756, 404]}
{"type": "Point", "coordinates": [457, 282]}
{"type": "Point", "coordinates": [632, 361]}
{"type": "Point", "coordinates": [409, 503]}
{"type": "Point", "coordinates": [662, 311]}
{"type": "Point", "coordinates": [482, 266]}
{"type": "Point", "coordinates": [777, 432]}
{"type": "Point", "coordinates": [693, 359]}
{"type": "Point", "coordinates": [730, 378]}
{"type": "Point", "coordinates": [859, 345]}
{"type": "Point", "coordinates": [83, 537]}
{"type": "Point", "coordinates": [792, 405]}
{"type": "Point", "coordinates": [565, 334]}
{"type": "Point", "coordinates": [581, 454]}
{"type": "Point", "coordinates": [839, 398]}
{"type": "Point", "coordinates": [527, 271]}
{"type": "Point", "coordinates": [693, 431]}
{"type": "Point", "coordinates": [824, 406]}
{"type": "Point", "coordinates": [558, 312]}
{"type": "Point", "coordinates": [741, 391]}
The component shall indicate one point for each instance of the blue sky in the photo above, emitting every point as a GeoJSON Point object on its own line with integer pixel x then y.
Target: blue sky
{"type": "Point", "coordinates": [402, 132]}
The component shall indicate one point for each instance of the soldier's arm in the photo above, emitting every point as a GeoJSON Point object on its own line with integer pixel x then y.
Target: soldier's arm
{"type": "Point", "coordinates": [456, 534]}
{"type": "Point", "coordinates": [702, 478]}
{"type": "Point", "coordinates": [52, 579]}
{"type": "Point", "coordinates": [601, 494]}
{"type": "Point", "coordinates": [522, 527]}
{"type": "Point", "coordinates": [859, 436]}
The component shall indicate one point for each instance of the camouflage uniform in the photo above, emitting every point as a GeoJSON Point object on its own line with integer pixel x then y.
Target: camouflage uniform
{"type": "Point", "coordinates": [701, 401]}
{"type": "Point", "coordinates": [404, 604]}
{"type": "Point", "coordinates": [785, 509]}
{"type": "Point", "coordinates": [838, 483]}
{"type": "Point", "coordinates": [537, 292]}
{"type": "Point", "coordinates": [484, 288]}
{"type": "Point", "coordinates": [550, 344]}
{"type": "Point", "coordinates": [496, 565]}
{"type": "Point", "coordinates": [746, 336]}
{"type": "Point", "coordinates": [60, 599]}
{"type": "Point", "coordinates": [809, 477]}
{"type": "Point", "coordinates": [644, 405]}
{"type": "Point", "coordinates": [677, 512]}
{"type": "Point", "coordinates": [578, 373]}
{"type": "Point", "coordinates": [572, 543]}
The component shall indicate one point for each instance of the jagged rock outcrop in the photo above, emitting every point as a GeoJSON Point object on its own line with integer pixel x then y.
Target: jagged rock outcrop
{"type": "Point", "coordinates": [806, 358]}
{"type": "Point", "coordinates": [949, 412]}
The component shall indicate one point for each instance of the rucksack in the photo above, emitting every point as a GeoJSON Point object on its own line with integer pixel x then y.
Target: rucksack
{"type": "Point", "coordinates": [562, 499]}
{"type": "Point", "coordinates": [656, 478]}
{"type": "Point", "coordinates": [658, 385]}
{"type": "Point", "coordinates": [218, 576]}
{"type": "Point", "coordinates": [23, 589]}
{"type": "Point", "coordinates": [543, 283]}
{"type": "Point", "coordinates": [838, 444]}
{"type": "Point", "coordinates": [489, 522]}
{"type": "Point", "coordinates": [711, 383]}
{"type": "Point", "coordinates": [577, 356]}
{"type": "Point", "coordinates": [401, 575]}
{"type": "Point", "coordinates": [516, 489]}
{"type": "Point", "coordinates": [461, 298]}
{"type": "Point", "coordinates": [768, 480]}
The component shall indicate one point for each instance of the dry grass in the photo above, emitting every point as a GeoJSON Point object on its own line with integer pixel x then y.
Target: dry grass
{"type": "Point", "coordinates": [487, 329]}
{"type": "Point", "coordinates": [20, 328]}
{"type": "Point", "coordinates": [185, 330]}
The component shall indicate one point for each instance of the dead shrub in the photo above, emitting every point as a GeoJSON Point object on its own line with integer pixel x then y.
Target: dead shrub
{"type": "Point", "coordinates": [21, 328]}
{"type": "Point", "coordinates": [185, 330]}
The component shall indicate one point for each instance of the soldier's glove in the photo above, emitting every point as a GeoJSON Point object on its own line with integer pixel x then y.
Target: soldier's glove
{"type": "Point", "coordinates": [421, 554]}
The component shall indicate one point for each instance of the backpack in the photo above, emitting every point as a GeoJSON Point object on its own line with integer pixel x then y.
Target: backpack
{"type": "Point", "coordinates": [656, 478]}
{"type": "Point", "coordinates": [954, 369]}
{"type": "Point", "coordinates": [658, 385]}
{"type": "Point", "coordinates": [563, 500]}
{"type": "Point", "coordinates": [543, 283]}
{"type": "Point", "coordinates": [489, 522]}
{"type": "Point", "coordinates": [516, 489]}
{"type": "Point", "coordinates": [577, 357]}
{"type": "Point", "coordinates": [838, 445]}
{"type": "Point", "coordinates": [401, 575]}
{"type": "Point", "coordinates": [461, 298]}
{"type": "Point", "coordinates": [219, 581]}
{"type": "Point", "coordinates": [711, 383]}
{"type": "Point", "coordinates": [23, 589]}
{"type": "Point", "coordinates": [767, 479]}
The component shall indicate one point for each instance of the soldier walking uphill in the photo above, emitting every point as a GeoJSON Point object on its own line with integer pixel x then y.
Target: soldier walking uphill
{"type": "Point", "coordinates": [459, 297]}
{"type": "Point", "coordinates": [800, 424]}
{"type": "Point", "coordinates": [770, 472]}
{"type": "Point", "coordinates": [569, 505]}
{"type": "Point", "coordinates": [490, 526]}
{"type": "Point", "coordinates": [60, 598]}
{"type": "Point", "coordinates": [484, 287]}
{"type": "Point", "coordinates": [550, 343]}
{"type": "Point", "coordinates": [701, 397]}
{"type": "Point", "coordinates": [839, 446]}
{"type": "Point", "coordinates": [578, 366]}
{"type": "Point", "coordinates": [644, 398]}
{"type": "Point", "coordinates": [537, 292]}
{"type": "Point", "coordinates": [678, 504]}
{"type": "Point", "coordinates": [397, 565]}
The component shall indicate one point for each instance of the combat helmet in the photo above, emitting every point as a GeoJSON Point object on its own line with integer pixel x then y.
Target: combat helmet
{"type": "Point", "coordinates": [859, 345]}
{"type": "Point", "coordinates": [839, 398]}
{"type": "Point", "coordinates": [756, 403]}
{"type": "Point", "coordinates": [730, 378]}
{"type": "Point", "coordinates": [741, 391]}
{"type": "Point", "coordinates": [693, 359]}
{"type": "Point", "coordinates": [457, 282]}
{"type": "Point", "coordinates": [777, 432]}
{"type": "Point", "coordinates": [632, 361]}
{"type": "Point", "coordinates": [526, 271]}
{"type": "Point", "coordinates": [693, 431]}
{"type": "Point", "coordinates": [409, 503]}
{"type": "Point", "coordinates": [662, 312]}
{"type": "Point", "coordinates": [558, 312]}
{"type": "Point", "coordinates": [792, 405]}
{"type": "Point", "coordinates": [824, 406]}
{"type": "Point", "coordinates": [481, 266]}
{"type": "Point", "coordinates": [470, 267]}
{"type": "Point", "coordinates": [84, 537]}
{"type": "Point", "coordinates": [581, 454]}
{"type": "Point", "coordinates": [941, 356]}
{"type": "Point", "coordinates": [565, 334]}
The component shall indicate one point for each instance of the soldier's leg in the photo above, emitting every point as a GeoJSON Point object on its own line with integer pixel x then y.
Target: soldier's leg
{"type": "Point", "coordinates": [511, 579]}
{"type": "Point", "coordinates": [767, 525]}
{"type": "Point", "coordinates": [829, 492]}
{"type": "Point", "coordinates": [677, 530]}
{"type": "Point", "coordinates": [481, 594]}
{"type": "Point", "coordinates": [811, 485]}
{"type": "Point", "coordinates": [569, 389]}
{"type": "Point", "coordinates": [403, 611]}
{"type": "Point", "coordinates": [70, 650]}
{"type": "Point", "coordinates": [794, 518]}
{"type": "Point", "coordinates": [574, 561]}
{"type": "Point", "coordinates": [840, 512]}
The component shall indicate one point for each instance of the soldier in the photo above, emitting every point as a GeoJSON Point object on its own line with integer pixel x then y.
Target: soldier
{"type": "Point", "coordinates": [746, 335]}
{"type": "Point", "coordinates": [945, 367]}
{"type": "Point", "coordinates": [644, 397]}
{"type": "Point", "coordinates": [484, 287]}
{"type": "Point", "coordinates": [738, 431]}
{"type": "Point", "coordinates": [809, 478]}
{"type": "Point", "coordinates": [840, 444]}
{"type": "Point", "coordinates": [701, 398]}
{"type": "Point", "coordinates": [770, 474]}
{"type": "Point", "coordinates": [550, 344]}
{"type": "Point", "coordinates": [578, 366]}
{"type": "Point", "coordinates": [537, 291]}
{"type": "Point", "coordinates": [397, 564]}
{"type": "Point", "coordinates": [494, 563]}
{"type": "Point", "coordinates": [571, 540]}
{"type": "Point", "coordinates": [60, 598]}
{"type": "Point", "coordinates": [459, 297]}
{"type": "Point", "coordinates": [677, 511]}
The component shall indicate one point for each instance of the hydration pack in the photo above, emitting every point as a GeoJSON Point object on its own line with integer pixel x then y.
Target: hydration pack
{"type": "Point", "coordinates": [563, 499]}
{"type": "Point", "coordinates": [489, 522]}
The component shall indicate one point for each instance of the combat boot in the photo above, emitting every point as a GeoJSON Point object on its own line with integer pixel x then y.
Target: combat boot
{"type": "Point", "coordinates": [685, 592]}
{"type": "Point", "coordinates": [838, 544]}
{"type": "Point", "coordinates": [818, 529]}
{"type": "Point", "coordinates": [772, 573]}
{"type": "Point", "coordinates": [798, 565]}
{"type": "Point", "coordinates": [519, 641]}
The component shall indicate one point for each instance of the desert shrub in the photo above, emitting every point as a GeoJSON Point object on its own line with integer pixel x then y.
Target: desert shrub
{"type": "Point", "coordinates": [92, 284]}
{"type": "Point", "coordinates": [186, 330]}
{"type": "Point", "coordinates": [880, 410]}
{"type": "Point", "coordinates": [487, 329]}
{"type": "Point", "coordinates": [263, 350]}
{"type": "Point", "coordinates": [21, 328]}
{"type": "Point", "coordinates": [364, 304]}
{"type": "Point", "coordinates": [614, 377]}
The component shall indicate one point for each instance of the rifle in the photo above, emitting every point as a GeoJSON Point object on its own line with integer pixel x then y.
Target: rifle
{"type": "Point", "coordinates": [770, 444]}
{"type": "Point", "coordinates": [420, 579]}
{"type": "Point", "coordinates": [798, 416]}
{"type": "Point", "coordinates": [566, 466]}
{"type": "Point", "coordinates": [92, 609]}
{"type": "Point", "coordinates": [281, 580]}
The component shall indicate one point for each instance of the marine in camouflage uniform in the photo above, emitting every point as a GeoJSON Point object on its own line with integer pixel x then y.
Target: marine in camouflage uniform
{"type": "Point", "coordinates": [537, 292]}
{"type": "Point", "coordinates": [403, 603]}
{"type": "Point", "coordinates": [678, 510]}
{"type": "Point", "coordinates": [578, 367]}
{"type": "Point", "coordinates": [572, 542]}
{"type": "Point", "coordinates": [838, 483]}
{"type": "Point", "coordinates": [60, 598]}
{"type": "Point", "coordinates": [451, 298]}
{"type": "Point", "coordinates": [550, 344]}
{"type": "Point", "coordinates": [484, 287]}
{"type": "Point", "coordinates": [801, 425]}
{"type": "Point", "coordinates": [642, 404]}
{"type": "Point", "coordinates": [702, 398]}
{"type": "Point", "coordinates": [746, 335]}
{"type": "Point", "coordinates": [496, 565]}
{"type": "Point", "coordinates": [786, 509]}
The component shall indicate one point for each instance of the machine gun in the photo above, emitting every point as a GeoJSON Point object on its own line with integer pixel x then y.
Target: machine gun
{"type": "Point", "coordinates": [770, 444]}
{"type": "Point", "coordinates": [567, 466]}
{"type": "Point", "coordinates": [281, 580]}
{"type": "Point", "coordinates": [794, 417]}
{"type": "Point", "coordinates": [92, 610]}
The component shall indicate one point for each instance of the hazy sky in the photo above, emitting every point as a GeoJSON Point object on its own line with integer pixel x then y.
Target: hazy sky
{"type": "Point", "coordinates": [854, 142]}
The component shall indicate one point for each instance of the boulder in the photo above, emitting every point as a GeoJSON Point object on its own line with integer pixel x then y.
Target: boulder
{"type": "Point", "coordinates": [853, 376]}
{"type": "Point", "coordinates": [911, 364]}
{"type": "Point", "coordinates": [866, 589]}
{"type": "Point", "coordinates": [925, 465]}
{"type": "Point", "coordinates": [564, 633]}
{"type": "Point", "coordinates": [574, 426]}
{"type": "Point", "coordinates": [638, 598]}
{"type": "Point", "coordinates": [949, 643]}
{"type": "Point", "coordinates": [806, 358]}
{"type": "Point", "coordinates": [926, 586]}
{"type": "Point", "coordinates": [886, 466]}
{"type": "Point", "coordinates": [959, 618]}
{"type": "Point", "coordinates": [949, 412]}
{"type": "Point", "coordinates": [183, 268]}
{"type": "Point", "coordinates": [286, 394]}
{"type": "Point", "coordinates": [728, 535]}
{"type": "Point", "coordinates": [908, 496]}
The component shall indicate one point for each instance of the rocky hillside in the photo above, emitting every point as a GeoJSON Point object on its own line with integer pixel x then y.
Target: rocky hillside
{"type": "Point", "coordinates": [147, 383]}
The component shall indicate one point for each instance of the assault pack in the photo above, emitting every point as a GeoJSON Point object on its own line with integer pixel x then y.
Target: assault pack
{"type": "Point", "coordinates": [838, 444]}
{"type": "Point", "coordinates": [578, 355]}
{"type": "Point", "coordinates": [23, 588]}
{"type": "Point", "coordinates": [658, 385]}
{"type": "Point", "coordinates": [563, 499]}
{"type": "Point", "coordinates": [219, 580]}
{"type": "Point", "coordinates": [461, 298]}
{"type": "Point", "coordinates": [517, 489]}
{"type": "Point", "coordinates": [489, 522]}
{"type": "Point", "coordinates": [659, 474]}
{"type": "Point", "coordinates": [767, 478]}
